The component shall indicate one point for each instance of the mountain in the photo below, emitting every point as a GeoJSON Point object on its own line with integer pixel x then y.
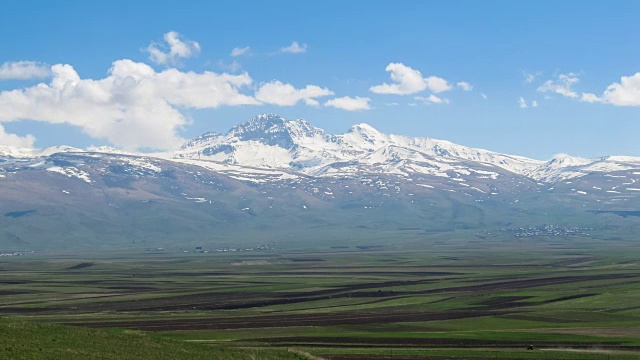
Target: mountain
{"type": "Point", "coordinates": [277, 180]}
{"type": "Point", "coordinates": [274, 142]}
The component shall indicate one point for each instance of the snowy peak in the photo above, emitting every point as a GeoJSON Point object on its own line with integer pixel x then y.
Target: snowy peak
{"type": "Point", "coordinates": [365, 131]}
{"type": "Point", "coordinates": [274, 130]}
{"type": "Point", "coordinates": [364, 136]}
{"type": "Point", "coordinates": [564, 160]}
{"type": "Point", "coordinates": [273, 142]}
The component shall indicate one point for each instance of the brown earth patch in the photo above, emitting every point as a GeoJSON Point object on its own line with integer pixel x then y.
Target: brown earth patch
{"type": "Point", "coordinates": [83, 265]}
{"type": "Point", "coordinates": [342, 318]}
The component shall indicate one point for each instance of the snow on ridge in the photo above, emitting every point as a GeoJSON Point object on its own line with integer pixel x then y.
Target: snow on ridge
{"type": "Point", "coordinates": [71, 172]}
{"type": "Point", "coordinates": [274, 142]}
{"type": "Point", "coordinates": [564, 167]}
{"type": "Point", "coordinates": [242, 173]}
{"type": "Point", "coordinates": [109, 150]}
{"type": "Point", "coordinates": [23, 153]}
{"type": "Point", "coordinates": [281, 146]}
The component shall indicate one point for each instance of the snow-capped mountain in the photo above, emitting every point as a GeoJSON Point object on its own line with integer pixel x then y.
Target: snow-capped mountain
{"type": "Point", "coordinates": [278, 178]}
{"type": "Point", "coordinates": [274, 142]}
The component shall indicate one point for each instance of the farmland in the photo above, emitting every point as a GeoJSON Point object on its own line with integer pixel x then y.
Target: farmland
{"type": "Point", "coordinates": [448, 295]}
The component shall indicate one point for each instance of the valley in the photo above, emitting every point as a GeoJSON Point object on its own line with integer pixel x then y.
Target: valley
{"type": "Point", "coordinates": [423, 299]}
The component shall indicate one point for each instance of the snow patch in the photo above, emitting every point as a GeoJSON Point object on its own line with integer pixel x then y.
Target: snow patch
{"type": "Point", "coordinates": [71, 172]}
{"type": "Point", "coordinates": [425, 185]}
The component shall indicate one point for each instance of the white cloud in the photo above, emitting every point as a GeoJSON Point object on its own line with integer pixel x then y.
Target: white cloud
{"type": "Point", "coordinates": [174, 50]}
{"type": "Point", "coordinates": [432, 99]}
{"type": "Point", "coordinates": [294, 48]}
{"type": "Point", "coordinates": [592, 98]}
{"type": "Point", "coordinates": [561, 85]}
{"type": "Point", "coordinates": [522, 103]}
{"type": "Point", "coordinates": [530, 77]}
{"type": "Point", "coordinates": [465, 86]}
{"type": "Point", "coordinates": [21, 70]}
{"type": "Point", "coordinates": [233, 66]}
{"type": "Point", "coordinates": [409, 81]}
{"type": "Point", "coordinates": [278, 93]}
{"type": "Point", "coordinates": [15, 140]}
{"type": "Point", "coordinates": [484, 96]}
{"type": "Point", "coordinates": [133, 107]}
{"type": "Point", "coordinates": [349, 103]}
{"type": "Point", "coordinates": [624, 93]}
{"type": "Point", "coordinates": [240, 51]}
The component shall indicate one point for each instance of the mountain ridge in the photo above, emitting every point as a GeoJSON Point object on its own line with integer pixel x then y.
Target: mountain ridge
{"type": "Point", "coordinates": [285, 180]}
{"type": "Point", "coordinates": [272, 142]}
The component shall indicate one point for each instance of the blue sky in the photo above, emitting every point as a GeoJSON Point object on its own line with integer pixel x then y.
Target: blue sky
{"type": "Point", "coordinates": [465, 70]}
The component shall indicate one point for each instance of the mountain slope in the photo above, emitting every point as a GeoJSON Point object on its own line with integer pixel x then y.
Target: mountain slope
{"type": "Point", "coordinates": [273, 179]}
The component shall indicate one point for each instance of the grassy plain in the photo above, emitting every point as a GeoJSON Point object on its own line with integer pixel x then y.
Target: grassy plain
{"type": "Point", "coordinates": [440, 297]}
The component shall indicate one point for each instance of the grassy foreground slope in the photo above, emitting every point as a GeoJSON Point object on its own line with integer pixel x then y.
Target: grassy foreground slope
{"type": "Point", "coordinates": [26, 340]}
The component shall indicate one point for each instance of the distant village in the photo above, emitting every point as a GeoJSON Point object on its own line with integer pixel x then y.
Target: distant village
{"type": "Point", "coordinates": [203, 249]}
{"type": "Point", "coordinates": [540, 231]}
{"type": "Point", "coordinates": [15, 253]}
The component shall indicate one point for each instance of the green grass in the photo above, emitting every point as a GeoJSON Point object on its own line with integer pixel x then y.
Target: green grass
{"type": "Point", "coordinates": [25, 340]}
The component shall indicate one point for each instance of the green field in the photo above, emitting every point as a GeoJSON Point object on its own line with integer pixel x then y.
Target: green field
{"type": "Point", "coordinates": [571, 298]}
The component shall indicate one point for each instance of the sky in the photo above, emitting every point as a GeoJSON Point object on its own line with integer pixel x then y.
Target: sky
{"type": "Point", "coordinates": [531, 78]}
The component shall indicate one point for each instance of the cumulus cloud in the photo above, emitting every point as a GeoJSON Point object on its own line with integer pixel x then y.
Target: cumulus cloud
{"type": "Point", "coordinates": [22, 70]}
{"type": "Point", "coordinates": [350, 103]}
{"type": "Point", "coordinates": [176, 48]}
{"type": "Point", "coordinates": [406, 80]}
{"type": "Point", "coordinates": [294, 48]}
{"type": "Point", "coordinates": [624, 93]}
{"type": "Point", "coordinates": [278, 93]}
{"type": "Point", "coordinates": [240, 51]}
{"type": "Point", "coordinates": [133, 107]}
{"type": "Point", "coordinates": [15, 140]}
{"type": "Point", "coordinates": [465, 86]}
{"type": "Point", "coordinates": [432, 99]}
{"type": "Point", "coordinates": [562, 85]}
